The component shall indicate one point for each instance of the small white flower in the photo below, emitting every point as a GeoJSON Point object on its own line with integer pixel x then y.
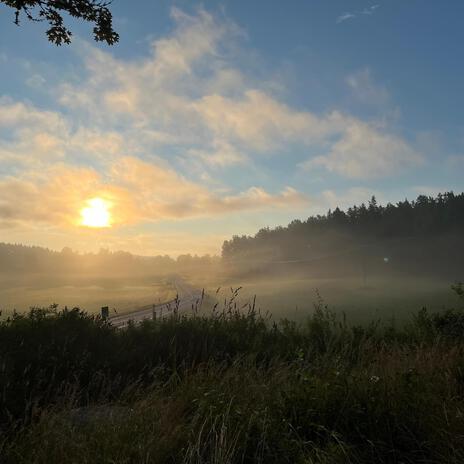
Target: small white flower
{"type": "Point", "coordinates": [374, 379]}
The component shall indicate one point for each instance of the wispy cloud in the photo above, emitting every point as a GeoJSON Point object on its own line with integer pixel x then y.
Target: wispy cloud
{"type": "Point", "coordinates": [354, 14]}
{"type": "Point", "coordinates": [369, 10]}
{"type": "Point", "coordinates": [345, 17]}
{"type": "Point", "coordinates": [365, 89]}
{"type": "Point", "coordinates": [158, 134]}
{"type": "Point", "coordinates": [143, 192]}
{"type": "Point", "coordinates": [185, 101]}
{"type": "Point", "coordinates": [365, 151]}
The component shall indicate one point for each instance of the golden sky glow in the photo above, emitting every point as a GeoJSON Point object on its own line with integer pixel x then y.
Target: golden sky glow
{"type": "Point", "coordinates": [182, 145]}
{"type": "Point", "coordinates": [96, 213]}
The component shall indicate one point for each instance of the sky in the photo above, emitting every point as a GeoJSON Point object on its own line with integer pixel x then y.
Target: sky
{"type": "Point", "coordinates": [219, 118]}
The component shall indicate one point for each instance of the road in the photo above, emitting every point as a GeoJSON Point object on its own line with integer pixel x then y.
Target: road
{"type": "Point", "coordinates": [187, 299]}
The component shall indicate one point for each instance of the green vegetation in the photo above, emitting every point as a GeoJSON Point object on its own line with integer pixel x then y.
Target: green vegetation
{"type": "Point", "coordinates": [422, 238]}
{"type": "Point", "coordinates": [232, 387]}
{"type": "Point", "coordinates": [291, 296]}
{"type": "Point", "coordinates": [426, 216]}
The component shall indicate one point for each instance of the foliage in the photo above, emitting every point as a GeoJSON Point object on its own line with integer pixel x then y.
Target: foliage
{"type": "Point", "coordinates": [422, 236]}
{"type": "Point", "coordinates": [51, 11]}
{"type": "Point", "coordinates": [231, 387]}
{"type": "Point", "coordinates": [24, 259]}
{"type": "Point", "coordinates": [422, 217]}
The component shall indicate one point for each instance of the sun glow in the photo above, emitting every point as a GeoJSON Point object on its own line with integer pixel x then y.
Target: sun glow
{"type": "Point", "coordinates": [96, 213]}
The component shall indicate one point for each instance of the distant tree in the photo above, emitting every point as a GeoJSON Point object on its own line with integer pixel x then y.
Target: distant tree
{"type": "Point", "coordinates": [51, 11]}
{"type": "Point", "coordinates": [338, 216]}
{"type": "Point", "coordinates": [67, 251]}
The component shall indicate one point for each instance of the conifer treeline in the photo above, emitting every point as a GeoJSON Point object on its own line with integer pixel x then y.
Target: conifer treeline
{"type": "Point", "coordinates": [425, 217]}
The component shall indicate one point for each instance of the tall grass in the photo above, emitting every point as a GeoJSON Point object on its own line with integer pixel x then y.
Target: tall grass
{"type": "Point", "coordinates": [231, 387]}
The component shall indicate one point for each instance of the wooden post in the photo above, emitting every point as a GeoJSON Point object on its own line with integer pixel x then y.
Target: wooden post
{"type": "Point", "coordinates": [154, 312]}
{"type": "Point", "coordinates": [105, 312]}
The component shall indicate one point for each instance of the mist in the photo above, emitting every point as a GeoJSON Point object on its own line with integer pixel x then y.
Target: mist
{"type": "Point", "coordinates": [370, 261]}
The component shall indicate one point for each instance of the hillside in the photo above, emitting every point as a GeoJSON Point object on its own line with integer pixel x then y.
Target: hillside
{"type": "Point", "coordinates": [422, 237]}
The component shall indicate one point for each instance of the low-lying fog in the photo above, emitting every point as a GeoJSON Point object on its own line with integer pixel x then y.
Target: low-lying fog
{"type": "Point", "coordinates": [364, 291]}
{"type": "Point", "coordinates": [375, 261]}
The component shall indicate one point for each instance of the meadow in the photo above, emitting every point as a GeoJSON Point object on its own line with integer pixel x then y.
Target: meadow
{"type": "Point", "coordinates": [288, 295]}
{"type": "Point", "coordinates": [292, 296]}
{"type": "Point", "coordinates": [123, 293]}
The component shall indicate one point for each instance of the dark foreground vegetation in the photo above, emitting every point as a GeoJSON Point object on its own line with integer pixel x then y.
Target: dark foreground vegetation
{"type": "Point", "coordinates": [232, 387]}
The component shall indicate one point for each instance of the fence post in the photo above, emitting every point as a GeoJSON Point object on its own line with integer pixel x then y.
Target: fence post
{"type": "Point", "coordinates": [105, 312]}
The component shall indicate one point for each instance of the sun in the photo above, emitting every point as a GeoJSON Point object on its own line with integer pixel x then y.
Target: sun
{"type": "Point", "coordinates": [96, 213]}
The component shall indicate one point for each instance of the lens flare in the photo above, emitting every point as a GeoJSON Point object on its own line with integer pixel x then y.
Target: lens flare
{"type": "Point", "coordinates": [96, 213]}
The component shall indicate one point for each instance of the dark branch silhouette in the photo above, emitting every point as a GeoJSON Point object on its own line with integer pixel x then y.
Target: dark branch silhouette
{"type": "Point", "coordinates": [51, 11]}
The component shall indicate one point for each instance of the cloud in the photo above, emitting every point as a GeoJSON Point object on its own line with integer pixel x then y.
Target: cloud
{"type": "Point", "coordinates": [50, 197]}
{"type": "Point", "coordinates": [138, 190]}
{"type": "Point", "coordinates": [220, 154]}
{"type": "Point", "coordinates": [163, 80]}
{"type": "Point", "coordinates": [369, 10]}
{"type": "Point", "coordinates": [345, 17]}
{"type": "Point", "coordinates": [29, 135]}
{"type": "Point", "coordinates": [36, 81]}
{"type": "Point", "coordinates": [186, 96]}
{"type": "Point", "coordinates": [18, 115]}
{"type": "Point", "coordinates": [366, 152]}
{"type": "Point", "coordinates": [351, 15]}
{"type": "Point", "coordinates": [33, 137]}
{"type": "Point", "coordinates": [365, 89]}
{"type": "Point", "coordinates": [161, 193]}
{"type": "Point", "coordinates": [347, 198]}
{"type": "Point", "coordinates": [259, 122]}
{"type": "Point", "coordinates": [131, 121]}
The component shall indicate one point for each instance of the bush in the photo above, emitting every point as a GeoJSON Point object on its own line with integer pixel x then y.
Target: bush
{"type": "Point", "coordinates": [231, 388]}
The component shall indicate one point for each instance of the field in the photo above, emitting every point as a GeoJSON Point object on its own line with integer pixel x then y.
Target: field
{"type": "Point", "coordinates": [293, 297]}
{"type": "Point", "coordinates": [89, 293]}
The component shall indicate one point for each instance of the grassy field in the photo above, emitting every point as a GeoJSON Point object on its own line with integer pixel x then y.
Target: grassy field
{"type": "Point", "coordinates": [90, 293]}
{"type": "Point", "coordinates": [232, 387]}
{"type": "Point", "coordinates": [294, 297]}
{"type": "Point", "coordinates": [285, 296]}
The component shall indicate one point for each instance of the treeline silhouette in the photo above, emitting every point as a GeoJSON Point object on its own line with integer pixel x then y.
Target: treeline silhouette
{"type": "Point", "coordinates": [30, 259]}
{"type": "Point", "coordinates": [426, 231]}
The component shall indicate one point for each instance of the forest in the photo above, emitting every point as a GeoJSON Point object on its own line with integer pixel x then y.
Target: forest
{"type": "Point", "coordinates": [419, 236]}
{"type": "Point", "coordinates": [32, 259]}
